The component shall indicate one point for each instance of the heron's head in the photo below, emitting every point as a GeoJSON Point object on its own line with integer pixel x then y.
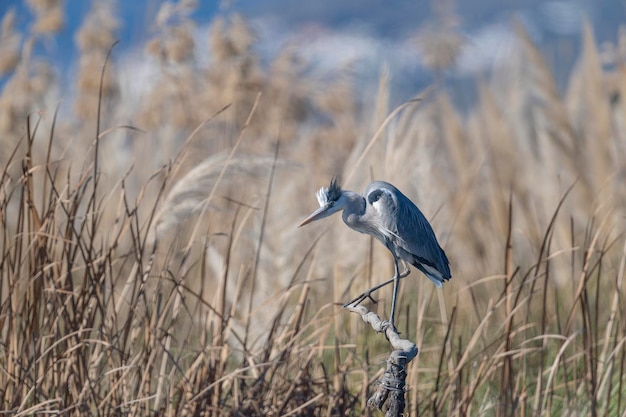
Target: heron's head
{"type": "Point", "coordinates": [329, 200]}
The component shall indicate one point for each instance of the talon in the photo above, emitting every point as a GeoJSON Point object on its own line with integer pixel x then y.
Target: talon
{"type": "Point", "coordinates": [371, 298]}
{"type": "Point", "coordinates": [360, 299]}
{"type": "Point", "coordinates": [354, 302]}
{"type": "Point", "coordinates": [368, 294]}
{"type": "Point", "coordinates": [395, 329]}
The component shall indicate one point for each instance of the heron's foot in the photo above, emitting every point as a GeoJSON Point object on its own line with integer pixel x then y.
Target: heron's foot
{"type": "Point", "coordinates": [393, 326]}
{"type": "Point", "coordinates": [368, 294]}
{"type": "Point", "coordinates": [358, 300]}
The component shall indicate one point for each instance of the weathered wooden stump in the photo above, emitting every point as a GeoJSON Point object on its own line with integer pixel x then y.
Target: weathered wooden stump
{"type": "Point", "coordinates": [391, 386]}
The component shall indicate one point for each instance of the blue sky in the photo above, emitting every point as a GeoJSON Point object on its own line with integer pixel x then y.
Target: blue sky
{"type": "Point", "coordinates": [367, 31]}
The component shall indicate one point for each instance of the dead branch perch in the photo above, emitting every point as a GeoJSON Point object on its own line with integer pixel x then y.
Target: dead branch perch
{"type": "Point", "coordinates": [393, 381]}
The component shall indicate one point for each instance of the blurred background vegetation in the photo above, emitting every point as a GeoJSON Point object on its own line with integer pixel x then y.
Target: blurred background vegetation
{"type": "Point", "coordinates": [151, 263]}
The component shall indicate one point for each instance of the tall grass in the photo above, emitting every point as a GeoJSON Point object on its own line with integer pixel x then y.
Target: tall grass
{"type": "Point", "coordinates": [151, 262]}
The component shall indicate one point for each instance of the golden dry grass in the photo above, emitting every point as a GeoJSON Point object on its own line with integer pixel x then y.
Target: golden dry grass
{"type": "Point", "coordinates": [151, 263]}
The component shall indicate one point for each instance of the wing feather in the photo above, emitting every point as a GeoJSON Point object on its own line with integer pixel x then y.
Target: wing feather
{"type": "Point", "coordinates": [410, 234]}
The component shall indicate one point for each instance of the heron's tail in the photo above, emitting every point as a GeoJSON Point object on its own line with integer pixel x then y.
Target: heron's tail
{"type": "Point", "coordinates": [433, 274]}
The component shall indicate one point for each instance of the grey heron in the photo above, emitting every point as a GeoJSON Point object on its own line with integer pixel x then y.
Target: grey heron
{"type": "Point", "coordinates": [388, 215]}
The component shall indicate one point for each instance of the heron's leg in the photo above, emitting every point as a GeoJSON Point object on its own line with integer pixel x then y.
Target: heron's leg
{"type": "Point", "coordinates": [368, 294]}
{"type": "Point", "coordinates": [396, 282]}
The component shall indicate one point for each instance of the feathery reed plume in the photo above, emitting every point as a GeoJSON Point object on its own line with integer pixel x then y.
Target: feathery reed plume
{"type": "Point", "coordinates": [94, 39]}
{"type": "Point", "coordinates": [188, 196]}
{"type": "Point", "coordinates": [48, 16]}
{"type": "Point", "coordinates": [174, 42]}
{"type": "Point", "coordinates": [441, 43]}
{"type": "Point", "coordinates": [10, 42]}
{"type": "Point", "coordinates": [587, 97]}
{"type": "Point", "coordinates": [23, 93]}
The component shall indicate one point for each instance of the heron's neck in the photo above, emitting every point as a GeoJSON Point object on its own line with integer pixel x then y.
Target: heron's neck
{"type": "Point", "coordinates": [354, 206]}
{"type": "Point", "coordinates": [354, 200]}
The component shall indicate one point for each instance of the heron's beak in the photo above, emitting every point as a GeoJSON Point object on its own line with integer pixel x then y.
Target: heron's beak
{"type": "Point", "coordinates": [320, 213]}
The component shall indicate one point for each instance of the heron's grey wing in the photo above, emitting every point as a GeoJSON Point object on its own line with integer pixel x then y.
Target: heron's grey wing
{"type": "Point", "coordinates": [412, 236]}
{"type": "Point", "coordinates": [418, 238]}
{"type": "Point", "coordinates": [384, 213]}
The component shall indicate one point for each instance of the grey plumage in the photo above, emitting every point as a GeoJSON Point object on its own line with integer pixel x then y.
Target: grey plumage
{"type": "Point", "coordinates": [388, 215]}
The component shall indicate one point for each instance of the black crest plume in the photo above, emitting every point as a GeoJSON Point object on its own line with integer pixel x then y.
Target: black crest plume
{"type": "Point", "coordinates": [329, 194]}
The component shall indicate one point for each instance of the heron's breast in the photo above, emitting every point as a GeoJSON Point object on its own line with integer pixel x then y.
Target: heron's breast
{"type": "Point", "coordinates": [352, 220]}
{"type": "Point", "coordinates": [362, 225]}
